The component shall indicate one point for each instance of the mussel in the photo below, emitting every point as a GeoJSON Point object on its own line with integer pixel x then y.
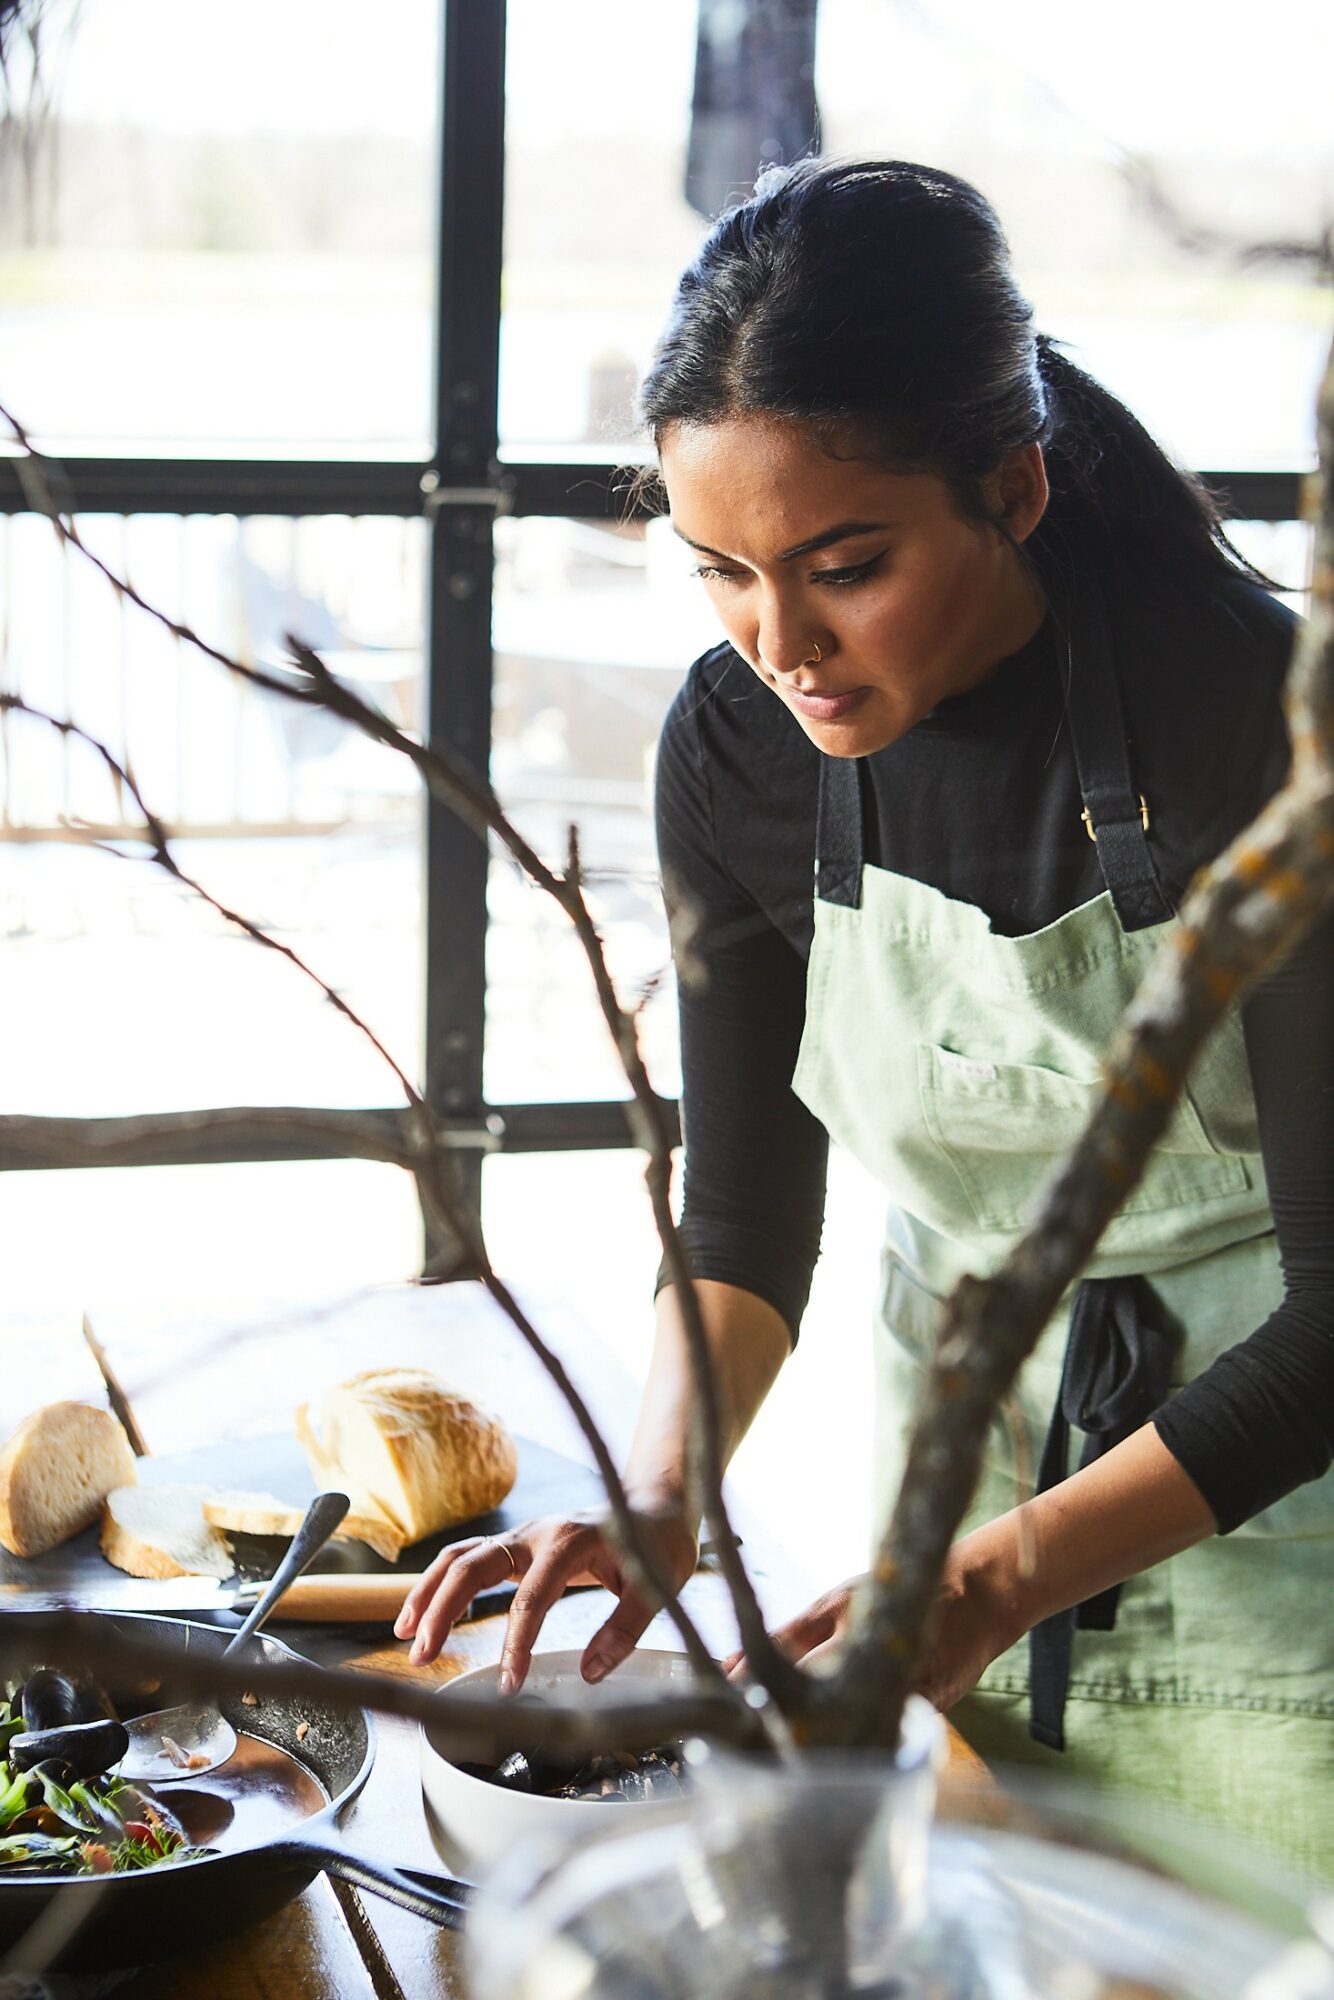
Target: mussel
{"type": "Point", "coordinates": [619, 1777]}
{"type": "Point", "coordinates": [50, 1700]}
{"type": "Point", "coordinates": [515, 1774]}
{"type": "Point", "coordinates": [68, 1718]}
{"type": "Point", "coordinates": [85, 1748]}
{"type": "Point", "coordinates": [54, 1700]}
{"type": "Point", "coordinates": [614, 1776]}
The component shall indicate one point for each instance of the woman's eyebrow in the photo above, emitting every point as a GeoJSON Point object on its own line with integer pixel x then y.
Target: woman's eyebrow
{"type": "Point", "coordinates": [842, 531]}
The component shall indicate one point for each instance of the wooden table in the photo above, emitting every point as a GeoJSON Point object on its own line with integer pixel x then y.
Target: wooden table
{"type": "Point", "coordinates": [194, 1378]}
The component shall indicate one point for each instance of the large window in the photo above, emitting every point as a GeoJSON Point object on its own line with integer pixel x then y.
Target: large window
{"type": "Point", "coordinates": [1101, 143]}
{"type": "Point", "coordinates": [217, 230]}
{"type": "Point", "coordinates": [331, 317]}
{"type": "Point", "coordinates": [279, 811]}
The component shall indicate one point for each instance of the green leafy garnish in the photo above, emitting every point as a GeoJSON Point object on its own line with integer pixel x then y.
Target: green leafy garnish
{"type": "Point", "coordinates": [14, 1798]}
{"type": "Point", "coordinates": [54, 1823]}
{"type": "Point", "coordinates": [38, 1851]}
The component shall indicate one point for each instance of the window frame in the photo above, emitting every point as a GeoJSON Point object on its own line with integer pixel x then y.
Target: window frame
{"type": "Point", "coordinates": [460, 490]}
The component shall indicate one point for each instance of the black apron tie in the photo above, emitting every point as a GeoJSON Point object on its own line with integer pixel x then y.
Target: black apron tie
{"type": "Point", "coordinates": [1117, 1362]}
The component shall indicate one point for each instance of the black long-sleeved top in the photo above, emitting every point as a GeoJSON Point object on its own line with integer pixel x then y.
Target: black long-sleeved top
{"type": "Point", "coordinates": [981, 801]}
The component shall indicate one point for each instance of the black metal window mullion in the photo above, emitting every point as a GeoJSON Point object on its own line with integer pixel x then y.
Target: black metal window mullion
{"type": "Point", "coordinates": [461, 501]}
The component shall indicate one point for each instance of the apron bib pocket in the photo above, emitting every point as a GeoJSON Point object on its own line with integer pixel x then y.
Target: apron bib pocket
{"type": "Point", "coordinates": [1003, 1126]}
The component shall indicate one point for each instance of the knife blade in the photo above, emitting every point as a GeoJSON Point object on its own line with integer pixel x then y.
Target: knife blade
{"type": "Point", "coordinates": [337, 1598]}
{"type": "Point", "coordinates": [123, 1593]}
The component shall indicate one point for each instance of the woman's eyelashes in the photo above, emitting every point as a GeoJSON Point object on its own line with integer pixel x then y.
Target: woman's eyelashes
{"type": "Point", "coordinates": [847, 574]}
{"type": "Point", "coordinates": [850, 573]}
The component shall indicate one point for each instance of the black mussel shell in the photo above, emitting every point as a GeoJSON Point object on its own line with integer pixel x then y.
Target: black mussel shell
{"type": "Point", "coordinates": [613, 1775]}
{"type": "Point", "coordinates": [50, 1700]}
{"type": "Point", "coordinates": [515, 1774]}
{"type": "Point", "coordinates": [85, 1748]}
{"type": "Point", "coordinates": [55, 1700]}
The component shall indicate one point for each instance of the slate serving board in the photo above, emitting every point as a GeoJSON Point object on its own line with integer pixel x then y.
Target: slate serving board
{"type": "Point", "coordinates": [547, 1483]}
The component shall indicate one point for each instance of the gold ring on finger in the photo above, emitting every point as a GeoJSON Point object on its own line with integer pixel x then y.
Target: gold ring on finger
{"type": "Point", "coordinates": [506, 1551]}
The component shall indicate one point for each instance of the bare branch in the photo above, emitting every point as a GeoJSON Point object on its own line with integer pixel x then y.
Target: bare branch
{"type": "Point", "coordinates": [1200, 239]}
{"type": "Point", "coordinates": [432, 1169]}
{"type": "Point", "coordinates": [477, 805]}
{"type": "Point", "coordinates": [782, 1680]}
{"type": "Point", "coordinates": [473, 1727]}
{"type": "Point", "coordinates": [47, 1938]}
{"type": "Point", "coordinates": [251, 1132]}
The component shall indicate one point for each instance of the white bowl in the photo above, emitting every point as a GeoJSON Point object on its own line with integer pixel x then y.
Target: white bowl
{"type": "Point", "coordinates": [474, 1823]}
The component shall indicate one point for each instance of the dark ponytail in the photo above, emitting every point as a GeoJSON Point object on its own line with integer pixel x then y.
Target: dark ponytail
{"type": "Point", "coordinates": [874, 302]}
{"type": "Point", "coordinates": [1113, 487]}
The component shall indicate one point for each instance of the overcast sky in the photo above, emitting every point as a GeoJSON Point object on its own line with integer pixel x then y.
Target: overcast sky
{"type": "Point", "coordinates": [1221, 74]}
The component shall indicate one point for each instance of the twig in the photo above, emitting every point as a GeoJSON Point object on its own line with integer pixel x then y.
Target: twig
{"type": "Point", "coordinates": [155, 832]}
{"type": "Point", "coordinates": [477, 805]}
{"type": "Point", "coordinates": [261, 1131]}
{"type": "Point", "coordinates": [120, 1403]}
{"type": "Point", "coordinates": [48, 1938]}
{"type": "Point", "coordinates": [431, 1168]}
{"type": "Point", "coordinates": [1201, 239]}
{"type": "Point", "coordinates": [472, 1726]}
{"type": "Point", "coordinates": [775, 1673]}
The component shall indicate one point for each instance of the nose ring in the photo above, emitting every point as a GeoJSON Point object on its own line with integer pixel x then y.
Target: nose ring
{"type": "Point", "coordinates": [811, 659]}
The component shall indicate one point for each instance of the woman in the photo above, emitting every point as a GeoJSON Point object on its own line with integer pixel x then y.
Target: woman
{"type": "Point", "coordinates": [995, 686]}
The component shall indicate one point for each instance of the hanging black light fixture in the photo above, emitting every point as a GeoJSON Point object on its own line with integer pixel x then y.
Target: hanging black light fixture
{"type": "Point", "coordinates": [754, 102]}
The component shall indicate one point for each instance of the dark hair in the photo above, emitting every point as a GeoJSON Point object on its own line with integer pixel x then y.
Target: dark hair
{"type": "Point", "coordinates": [874, 301]}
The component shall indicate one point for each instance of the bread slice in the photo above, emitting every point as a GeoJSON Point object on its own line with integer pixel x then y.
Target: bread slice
{"type": "Point", "coordinates": [161, 1531]}
{"type": "Point", "coordinates": [423, 1456]}
{"type": "Point", "coordinates": [241, 1513]}
{"type": "Point", "coordinates": [55, 1472]}
{"type": "Point", "coordinates": [382, 1534]}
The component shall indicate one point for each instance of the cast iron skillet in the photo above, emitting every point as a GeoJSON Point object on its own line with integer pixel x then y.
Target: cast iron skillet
{"type": "Point", "coordinates": [157, 1913]}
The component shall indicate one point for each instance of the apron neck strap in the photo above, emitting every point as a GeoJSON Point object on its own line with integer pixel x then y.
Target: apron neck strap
{"type": "Point", "coordinates": [1116, 816]}
{"type": "Point", "coordinates": [840, 844]}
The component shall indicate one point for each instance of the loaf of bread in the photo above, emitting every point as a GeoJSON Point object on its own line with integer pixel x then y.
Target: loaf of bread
{"type": "Point", "coordinates": [56, 1471]}
{"type": "Point", "coordinates": [410, 1451]}
{"type": "Point", "coordinates": [161, 1531]}
{"type": "Point", "coordinates": [243, 1513]}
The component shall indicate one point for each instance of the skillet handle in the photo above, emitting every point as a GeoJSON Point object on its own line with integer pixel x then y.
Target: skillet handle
{"type": "Point", "coordinates": [438, 1898]}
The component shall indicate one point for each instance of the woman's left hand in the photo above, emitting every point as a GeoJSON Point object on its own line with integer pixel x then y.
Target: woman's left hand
{"type": "Point", "coordinates": [970, 1629]}
{"type": "Point", "coordinates": [972, 1625]}
{"type": "Point", "coordinates": [812, 1635]}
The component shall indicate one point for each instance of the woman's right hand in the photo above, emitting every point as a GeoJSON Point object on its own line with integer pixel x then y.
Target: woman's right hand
{"type": "Point", "coordinates": [549, 1555]}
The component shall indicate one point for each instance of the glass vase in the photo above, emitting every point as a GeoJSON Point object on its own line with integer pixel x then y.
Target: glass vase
{"type": "Point", "coordinates": [797, 1879]}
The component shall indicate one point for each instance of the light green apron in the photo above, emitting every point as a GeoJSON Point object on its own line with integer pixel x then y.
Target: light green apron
{"type": "Point", "coordinates": [958, 1065]}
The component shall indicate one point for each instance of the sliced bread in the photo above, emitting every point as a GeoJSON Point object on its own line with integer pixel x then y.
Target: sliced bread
{"type": "Point", "coordinates": [423, 1456]}
{"type": "Point", "coordinates": [161, 1531]}
{"type": "Point", "coordinates": [55, 1472]}
{"type": "Point", "coordinates": [380, 1533]}
{"type": "Point", "coordinates": [240, 1513]}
